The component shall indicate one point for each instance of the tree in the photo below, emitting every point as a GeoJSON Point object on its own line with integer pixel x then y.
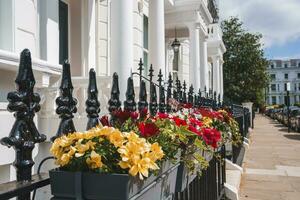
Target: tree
{"type": "Point", "coordinates": [245, 75]}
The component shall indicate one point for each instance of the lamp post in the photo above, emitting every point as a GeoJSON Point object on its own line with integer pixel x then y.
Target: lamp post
{"type": "Point", "coordinates": [288, 89]}
{"type": "Point", "coordinates": [175, 46]}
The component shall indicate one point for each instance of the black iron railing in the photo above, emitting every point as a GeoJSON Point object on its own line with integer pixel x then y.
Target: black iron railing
{"type": "Point", "coordinates": [243, 117]}
{"type": "Point", "coordinates": [25, 103]}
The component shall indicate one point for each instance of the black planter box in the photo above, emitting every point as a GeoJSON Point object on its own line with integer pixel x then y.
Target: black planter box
{"type": "Point", "coordinates": [93, 186]}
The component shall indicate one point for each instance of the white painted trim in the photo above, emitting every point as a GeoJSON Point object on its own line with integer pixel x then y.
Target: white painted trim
{"type": "Point", "coordinates": [3, 106]}
{"type": "Point", "coordinates": [10, 61]}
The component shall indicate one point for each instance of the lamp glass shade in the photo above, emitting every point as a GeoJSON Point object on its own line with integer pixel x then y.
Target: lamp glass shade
{"type": "Point", "coordinates": [288, 86]}
{"type": "Point", "coordinates": [175, 45]}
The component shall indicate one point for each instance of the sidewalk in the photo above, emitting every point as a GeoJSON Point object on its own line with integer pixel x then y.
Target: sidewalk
{"type": "Point", "coordinates": [272, 163]}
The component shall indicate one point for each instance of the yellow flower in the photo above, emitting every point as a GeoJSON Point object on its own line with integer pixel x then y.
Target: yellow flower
{"type": "Point", "coordinates": [82, 148]}
{"type": "Point", "coordinates": [141, 167]}
{"type": "Point", "coordinates": [94, 161]}
{"type": "Point", "coordinates": [66, 157]}
{"type": "Point", "coordinates": [157, 151]}
{"type": "Point", "coordinates": [116, 138]}
{"type": "Point", "coordinates": [207, 121]}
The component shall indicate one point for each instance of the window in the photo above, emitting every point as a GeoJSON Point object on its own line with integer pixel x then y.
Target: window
{"type": "Point", "coordinates": [298, 64]}
{"type": "Point", "coordinates": [286, 76]}
{"type": "Point", "coordinates": [145, 43]}
{"type": "Point", "coordinates": [273, 77]}
{"type": "Point", "coordinates": [272, 66]}
{"type": "Point", "coordinates": [295, 86]}
{"type": "Point", "coordinates": [285, 65]}
{"type": "Point", "coordinates": [273, 100]}
{"type": "Point", "coordinates": [273, 87]}
{"type": "Point", "coordinates": [63, 32]}
{"type": "Point", "coordinates": [298, 75]}
{"type": "Point", "coordinates": [299, 86]}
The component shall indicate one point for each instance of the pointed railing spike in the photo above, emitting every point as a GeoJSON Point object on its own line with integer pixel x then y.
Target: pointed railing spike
{"type": "Point", "coordinates": [179, 92]}
{"type": "Point", "coordinates": [114, 101]}
{"type": "Point", "coordinates": [151, 73]}
{"type": "Point", "coordinates": [140, 69]}
{"type": "Point", "coordinates": [184, 100]}
{"type": "Point", "coordinates": [92, 103]}
{"type": "Point", "coordinates": [153, 99]}
{"type": "Point", "coordinates": [162, 98]}
{"type": "Point", "coordinates": [129, 103]}
{"type": "Point", "coordinates": [190, 95]}
{"type": "Point", "coordinates": [66, 104]}
{"type": "Point", "coordinates": [143, 104]}
{"type": "Point", "coordinates": [24, 134]}
{"type": "Point", "coordinates": [169, 92]}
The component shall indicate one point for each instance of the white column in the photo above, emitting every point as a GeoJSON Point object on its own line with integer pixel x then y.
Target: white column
{"type": "Point", "coordinates": [194, 69]}
{"type": "Point", "coordinates": [157, 35]}
{"type": "Point", "coordinates": [203, 62]}
{"type": "Point", "coordinates": [122, 41]}
{"type": "Point", "coordinates": [88, 41]}
{"type": "Point", "coordinates": [216, 74]}
{"type": "Point", "coordinates": [221, 81]}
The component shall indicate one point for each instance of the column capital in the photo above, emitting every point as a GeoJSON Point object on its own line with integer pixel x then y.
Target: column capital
{"type": "Point", "coordinates": [193, 26]}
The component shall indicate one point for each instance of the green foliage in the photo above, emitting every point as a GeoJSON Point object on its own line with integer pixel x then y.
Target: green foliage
{"type": "Point", "coordinates": [244, 67]}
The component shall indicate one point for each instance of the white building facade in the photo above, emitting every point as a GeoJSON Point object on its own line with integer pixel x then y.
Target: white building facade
{"type": "Point", "coordinates": [282, 72]}
{"type": "Point", "coordinates": [110, 36]}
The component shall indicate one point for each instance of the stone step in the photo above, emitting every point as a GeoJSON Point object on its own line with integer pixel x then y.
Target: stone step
{"type": "Point", "coordinates": [233, 179]}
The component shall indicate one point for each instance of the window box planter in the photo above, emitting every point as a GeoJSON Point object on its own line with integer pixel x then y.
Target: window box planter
{"type": "Point", "coordinates": [94, 186]}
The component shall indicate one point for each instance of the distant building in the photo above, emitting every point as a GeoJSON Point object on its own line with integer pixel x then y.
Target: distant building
{"type": "Point", "coordinates": [281, 72]}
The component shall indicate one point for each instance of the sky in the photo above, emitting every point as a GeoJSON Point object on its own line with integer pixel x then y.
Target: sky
{"type": "Point", "coordinates": [277, 20]}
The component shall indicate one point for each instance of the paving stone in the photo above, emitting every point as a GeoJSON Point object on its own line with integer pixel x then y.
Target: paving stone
{"type": "Point", "coordinates": [272, 163]}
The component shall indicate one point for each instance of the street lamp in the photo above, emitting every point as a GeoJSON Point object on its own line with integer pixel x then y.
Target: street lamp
{"type": "Point", "coordinates": [288, 89]}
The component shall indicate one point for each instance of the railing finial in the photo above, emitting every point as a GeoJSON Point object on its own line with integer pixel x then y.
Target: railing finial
{"type": "Point", "coordinates": [24, 134]}
{"type": "Point", "coordinates": [129, 103]}
{"type": "Point", "coordinates": [140, 69]}
{"type": "Point", "coordinates": [151, 73]}
{"type": "Point", "coordinates": [190, 95]}
{"type": "Point", "coordinates": [66, 104]}
{"type": "Point", "coordinates": [92, 103]}
{"type": "Point", "coordinates": [169, 92]}
{"type": "Point", "coordinates": [153, 99]}
{"type": "Point", "coordinates": [184, 100]}
{"type": "Point", "coordinates": [143, 104]}
{"type": "Point", "coordinates": [114, 101]}
{"type": "Point", "coordinates": [162, 98]}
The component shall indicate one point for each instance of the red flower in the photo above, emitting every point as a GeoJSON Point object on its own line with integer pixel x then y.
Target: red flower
{"type": "Point", "coordinates": [163, 115]}
{"type": "Point", "coordinates": [188, 105]}
{"type": "Point", "coordinates": [179, 122]}
{"type": "Point", "coordinates": [134, 115]}
{"type": "Point", "coordinates": [194, 130]}
{"type": "Point", "coordinates": [121, 116]}
{"type": "Point", "coordinates": [211, 136]}
{"type": "Point", "coordinates": [104, 121]}
{"type": "Point", "coordinates": [195, 122]}
{"type": "Point", "coordinates": [148, 129]}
